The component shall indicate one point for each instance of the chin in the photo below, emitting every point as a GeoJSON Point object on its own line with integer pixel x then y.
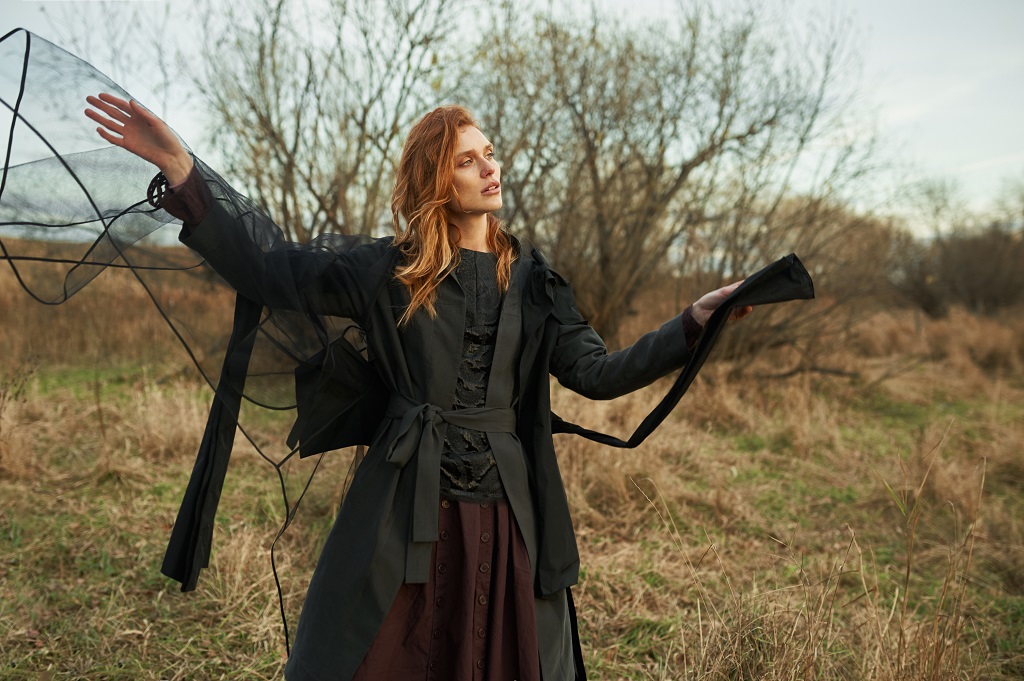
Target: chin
{"type": "Point", "coordinates": [485, 207]}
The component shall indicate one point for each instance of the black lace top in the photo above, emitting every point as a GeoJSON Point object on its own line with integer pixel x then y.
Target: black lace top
{"type": "Point", "coordinates": [468, 469]}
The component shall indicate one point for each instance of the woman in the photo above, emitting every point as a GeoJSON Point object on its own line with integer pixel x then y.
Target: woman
{"type": "Point", "coordinates": [453, 553]}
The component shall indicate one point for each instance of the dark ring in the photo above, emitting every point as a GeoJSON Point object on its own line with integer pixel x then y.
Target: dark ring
{"type": "Point", "coordinates": [158, 190]}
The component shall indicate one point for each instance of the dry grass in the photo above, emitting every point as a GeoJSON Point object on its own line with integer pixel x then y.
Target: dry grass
{"type": "Point", "coordinates": [814, 527]}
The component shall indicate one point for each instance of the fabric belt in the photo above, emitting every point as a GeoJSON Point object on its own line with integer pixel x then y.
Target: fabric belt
{"type": "Point", "coordinates": [420, 437]}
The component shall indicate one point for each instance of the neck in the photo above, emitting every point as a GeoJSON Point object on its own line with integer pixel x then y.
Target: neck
{"type": "Point", "coordinates": [472, 231]}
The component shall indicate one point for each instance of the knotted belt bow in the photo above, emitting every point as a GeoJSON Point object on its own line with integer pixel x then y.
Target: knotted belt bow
{"type": "Point", "coordinates": [420, 436]}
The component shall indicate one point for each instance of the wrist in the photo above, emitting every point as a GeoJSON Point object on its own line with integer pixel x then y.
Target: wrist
{"type": "Point", "coordinates": [699, 314]}
{"type": "Point", "coordinates": [691, 328]}
{"type": "Point", "coordinates": [177, 169]}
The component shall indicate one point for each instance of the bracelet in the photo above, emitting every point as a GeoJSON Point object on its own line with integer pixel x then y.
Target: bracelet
{"type": "Point", "coordinates": [158, 190]}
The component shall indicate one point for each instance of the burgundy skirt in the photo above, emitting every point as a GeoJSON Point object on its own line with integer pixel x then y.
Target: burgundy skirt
{"type": "Point", "coordinates": [474, 619]}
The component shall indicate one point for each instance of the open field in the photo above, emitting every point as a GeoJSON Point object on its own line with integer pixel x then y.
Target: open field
{"type": "Point", "coordinates": [867, 524]}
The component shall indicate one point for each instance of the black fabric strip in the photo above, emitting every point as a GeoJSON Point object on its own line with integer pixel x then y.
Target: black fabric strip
{"type": "Point", "coordinates": [189, 548]}
{"type": "Point", "coordinates": [577, 648]}
{"type": "Point", "coordinates": [785, 279]}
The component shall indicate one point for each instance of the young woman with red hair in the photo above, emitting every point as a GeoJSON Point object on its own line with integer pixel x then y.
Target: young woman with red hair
{"type": "Point", "coordinates": [453, 552]}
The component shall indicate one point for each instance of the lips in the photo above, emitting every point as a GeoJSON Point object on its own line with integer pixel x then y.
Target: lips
{"type": "Point", "coordinates": [492, 188]}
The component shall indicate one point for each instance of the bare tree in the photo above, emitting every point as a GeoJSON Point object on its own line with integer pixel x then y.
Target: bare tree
{"type": "Point", "coordinates": [625, 147]}
{"type": "Point", "coordinates": [1010, 204]}
{"type": "Point", "coordinates": [120, 38]}
{"type": "Point", "coordinates": [711, 143]}
{"type": "Point", "coordinates": [968, 260]}
{"type": "Point", "coordinates": [311, 101]}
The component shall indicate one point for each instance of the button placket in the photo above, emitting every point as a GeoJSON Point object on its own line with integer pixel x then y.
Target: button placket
{"type": "Point", "coordinates": [481, 616]}
{"type": "Point", "coordinates": [436, 647]}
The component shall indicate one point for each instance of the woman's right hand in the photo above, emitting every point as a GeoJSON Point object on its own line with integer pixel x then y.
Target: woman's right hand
{"type": "Point", "coordinates": [709, 302]}
{"type": "Point", "coordinates": [129, 125]}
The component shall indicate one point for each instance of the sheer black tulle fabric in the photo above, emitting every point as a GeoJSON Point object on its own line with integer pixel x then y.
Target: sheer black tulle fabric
{"type": "Point", "coordinates": [72, 205]}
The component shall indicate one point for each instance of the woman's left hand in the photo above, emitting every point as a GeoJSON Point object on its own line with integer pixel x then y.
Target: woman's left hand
{"type": "Point", "coordinates": [709, 302]}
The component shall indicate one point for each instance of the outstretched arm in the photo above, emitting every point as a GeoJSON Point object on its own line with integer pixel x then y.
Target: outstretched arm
{"type": "Point", "coordinates": [131, 126]}
{"type": "Point", "coordinates": [241, 243]}
{"type": "Point", "coordinates": [582, 363]}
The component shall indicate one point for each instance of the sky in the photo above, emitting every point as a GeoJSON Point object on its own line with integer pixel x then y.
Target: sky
{"type": "Point", "coordinates": [944, 78]}
{"type": "Point", "coordinates": [948, 79]}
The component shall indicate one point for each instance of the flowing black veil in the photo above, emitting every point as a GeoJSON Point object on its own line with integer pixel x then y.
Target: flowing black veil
{"type": "Point", "coordinates": [63, 184]}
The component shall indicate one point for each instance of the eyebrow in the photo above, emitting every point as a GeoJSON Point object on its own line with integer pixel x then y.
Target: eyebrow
{"type": "Point", "coordinates": [466, 152]}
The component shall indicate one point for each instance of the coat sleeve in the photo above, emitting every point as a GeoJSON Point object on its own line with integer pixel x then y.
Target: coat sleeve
{"type": "Point", "coordinates": [335, 275]}
{"type": "Point", "coordinates": [582, 363]}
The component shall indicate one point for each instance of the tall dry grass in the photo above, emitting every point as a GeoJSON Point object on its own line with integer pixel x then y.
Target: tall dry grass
{"type": "Point", "coordinates": [864, 523]}
{"type": "Point", "coordinates": [112, 322]}
{"type": "Point", "coordinates": [861, 524]}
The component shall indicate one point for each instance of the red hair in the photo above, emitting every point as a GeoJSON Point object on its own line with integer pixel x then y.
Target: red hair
{"type": "Point", "coordinates": [423, 190]}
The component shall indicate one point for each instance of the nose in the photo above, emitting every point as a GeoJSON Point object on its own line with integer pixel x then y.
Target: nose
{"type": "Point", "coordinates": [489, 168]}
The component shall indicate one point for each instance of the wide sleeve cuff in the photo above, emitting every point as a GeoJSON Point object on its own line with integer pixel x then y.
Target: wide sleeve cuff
{"type": "Point", "coordinates": [691, 328]}
{"type": "Point", "coordinates": [189, 201]}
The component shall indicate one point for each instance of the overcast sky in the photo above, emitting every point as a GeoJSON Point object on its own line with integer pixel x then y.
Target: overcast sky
{"type": "Point", "coordinates": [948, 80]}
{"type": "Point", "coordinates": [945, 78]}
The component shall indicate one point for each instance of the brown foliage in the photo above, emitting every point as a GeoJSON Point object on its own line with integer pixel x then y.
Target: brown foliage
{"type": "Point", "coordinates": [978, 269]}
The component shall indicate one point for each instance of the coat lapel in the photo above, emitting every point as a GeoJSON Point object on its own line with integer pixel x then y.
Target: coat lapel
{"type": "Point", "coordinates": [507, 338]}
{"type": "Point", "coordinates": [537, 304]}
{"type": "Point", "coordinates": [447, 336]}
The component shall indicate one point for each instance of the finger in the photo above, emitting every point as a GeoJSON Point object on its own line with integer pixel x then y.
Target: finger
{"type": "Point", "coordinates": [104, 121]}
{"type": "Point", "coordinates": [110, 104]}
{"type": "Point", "coordinates": [120, 103]}
{"type": "Point", "coordinates": [145, 114]}
{"type": "Point", "coordinates": [109, 109]}
{"type": "Point", "coordinates": [113, 139]}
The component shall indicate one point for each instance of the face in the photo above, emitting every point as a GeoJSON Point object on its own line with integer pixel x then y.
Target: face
{"type": "Point", "coordinates": [477, 175]}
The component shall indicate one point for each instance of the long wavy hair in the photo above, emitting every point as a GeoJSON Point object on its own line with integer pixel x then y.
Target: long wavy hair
{"type": "Point", "coordinates": [421, 209]}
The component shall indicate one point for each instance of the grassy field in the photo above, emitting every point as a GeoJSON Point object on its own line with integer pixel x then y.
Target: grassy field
{"type": "Point", "coordinates": [866, 524]}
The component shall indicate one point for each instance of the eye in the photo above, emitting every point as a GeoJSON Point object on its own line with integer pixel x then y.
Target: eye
{"type": "Point", "coordinates": [465, 162]}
